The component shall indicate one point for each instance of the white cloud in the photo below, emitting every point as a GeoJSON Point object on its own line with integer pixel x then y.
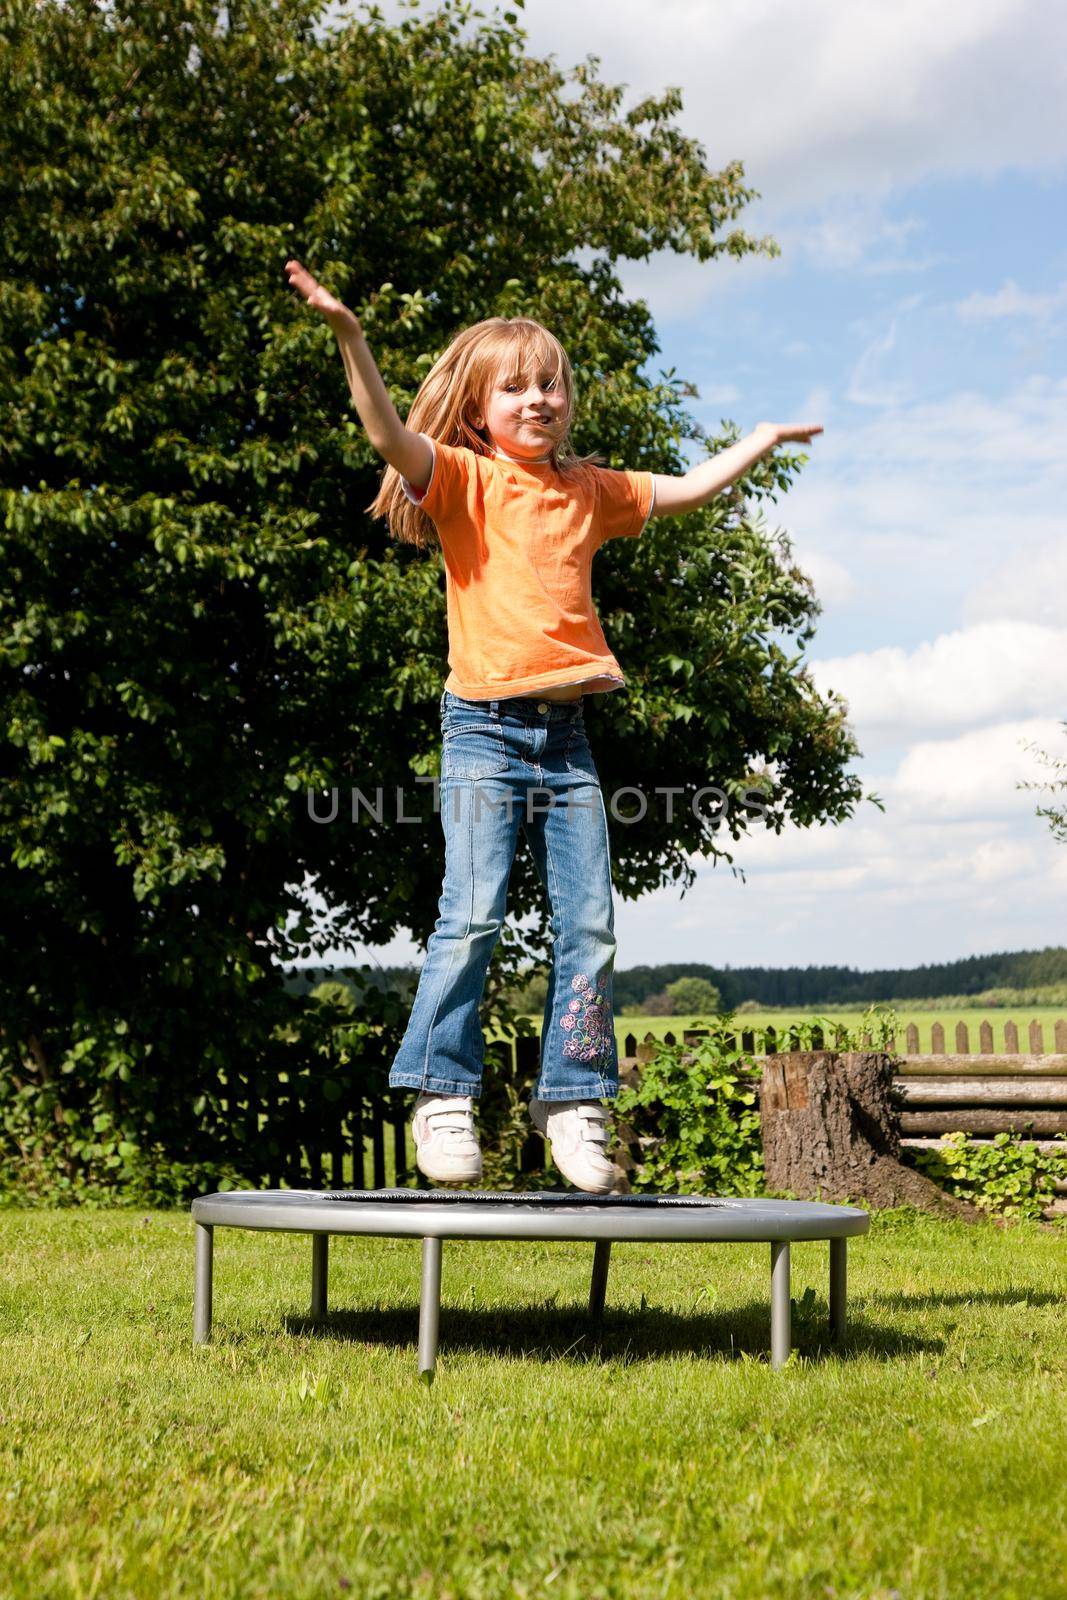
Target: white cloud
{"type": "Point", "coordinates": [679, 288]}
{"type": "Point", "coordinates": [834, 583]}
{"type": "Point", "coordinates": [865, 388]}
{"type": "Point", "coordinates": [1011, 301]}
{"type": "Point", "coordinates": [1031, 588]}
{"type": "Point", "coordinates": [1025, 428]}
{"type": "Point", "coordinates": [880, 890]}
{"type": "Point", "coordinates": [987, 672]}
{"type": "Point", "coordinates": [846, 235]}
{"type": "Point", "coordinates": [948, 511]}
{"type": "Point", "coordinates": [973, 775]}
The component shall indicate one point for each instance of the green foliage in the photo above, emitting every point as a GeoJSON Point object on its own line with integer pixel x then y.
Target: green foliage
{"type": "Point", "coordinates": [996, 999]}
{"type": "Point", "coordinates": [1034, 976]}
{"type": "Point", "coordinates": [1008, 1175]}
{"type": "Point", "coordinates": [692, 1125]}
{"type": "Point", "coordinates": [694, 995]}
{"type": "Point", "coordinates": [528, 995]}
{"type": "Point", "coordinates": [872, 1030]}
{"type": "Point", "coordinates": [199, 627]}
{"type": "Point", "coordinates": [123, 1137]}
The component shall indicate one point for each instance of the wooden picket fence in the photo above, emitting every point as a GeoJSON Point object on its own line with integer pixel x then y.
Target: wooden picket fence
{"type": "Point", "coordinates": [979, 1094]}
{"type": "Point", "coordinates": [301, 1138]}
{"type": "Point", "coordinates": [293, 1133]}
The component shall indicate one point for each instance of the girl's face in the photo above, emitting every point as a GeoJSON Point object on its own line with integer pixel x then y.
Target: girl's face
{"type": "Point", "coordinates": [524, 415]}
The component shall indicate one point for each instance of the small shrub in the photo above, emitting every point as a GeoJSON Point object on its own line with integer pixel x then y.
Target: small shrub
{"type": "Point", "coordinates": [692, 1126]}
{"type": "Point", "coordinates": [1010, 1176]}
{"type": "Point", "coordinates": [656, 1005]}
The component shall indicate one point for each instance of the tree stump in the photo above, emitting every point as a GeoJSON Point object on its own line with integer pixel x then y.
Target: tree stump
{"type": "Point", "coordinates": [829, 1129]}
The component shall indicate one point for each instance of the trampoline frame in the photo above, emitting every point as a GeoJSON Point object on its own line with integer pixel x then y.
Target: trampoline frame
{"type": "Point", "coordinates": [601, 1219]}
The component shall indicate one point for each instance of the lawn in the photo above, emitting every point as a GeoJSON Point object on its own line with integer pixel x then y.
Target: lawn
{"type": "Point", "coordinates": [665, 1459]}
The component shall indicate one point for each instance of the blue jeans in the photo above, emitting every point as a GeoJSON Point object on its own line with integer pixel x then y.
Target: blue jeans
{"type": "Point", "coordinates": [507, 764]}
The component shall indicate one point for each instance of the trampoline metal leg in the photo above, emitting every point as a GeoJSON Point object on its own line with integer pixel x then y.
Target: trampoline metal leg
{"type": "Point", "coordinates": [779, 1302]}
{"type": "Point", "coordinates": [429, 1308]}
{"type": "Point", "coordinates": [838, 1287]}
{"type": "Point", "coordinates": [202, 1283]}
{"type": "Point", "coordinates": [599, 1287]}
{"type": "Point", "coordinates": [320, 1260]}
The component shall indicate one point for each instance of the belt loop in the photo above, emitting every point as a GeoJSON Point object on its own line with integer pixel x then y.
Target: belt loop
{"type": "Point", "coordinates": [494, 706]}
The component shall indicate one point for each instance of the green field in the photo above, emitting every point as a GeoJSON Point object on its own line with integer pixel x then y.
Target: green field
{"type": "Point", "coordinates": [640, 1026]}
{"type": "Point", "coordinates": [665, 1460]}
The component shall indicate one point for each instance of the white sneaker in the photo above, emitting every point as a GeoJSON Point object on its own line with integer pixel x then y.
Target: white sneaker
{"type": "Point", "coordinates": [578, 1134]}
{"type": "Point", "coordinates": [446, 1144]}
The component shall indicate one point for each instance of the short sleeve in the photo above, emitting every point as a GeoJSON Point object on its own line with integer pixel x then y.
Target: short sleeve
{"type": "Point", "coordinates": [624, 502]}
{"type": "Point", "coordinates": [450, 475]}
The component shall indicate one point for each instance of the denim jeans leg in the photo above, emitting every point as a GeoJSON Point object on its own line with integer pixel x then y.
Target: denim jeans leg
{"type": "Point", "coordinates": [443, 1046]}
{"type": "Point", "coordinates": [579, 1054]}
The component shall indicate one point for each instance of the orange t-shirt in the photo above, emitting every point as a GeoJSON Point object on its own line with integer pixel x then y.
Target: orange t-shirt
{"type": "Point", "coordinates": [518, 540]}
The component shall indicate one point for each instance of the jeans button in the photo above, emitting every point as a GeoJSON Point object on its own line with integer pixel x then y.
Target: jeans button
{"type": "Point", "coordinates": [542, 705]}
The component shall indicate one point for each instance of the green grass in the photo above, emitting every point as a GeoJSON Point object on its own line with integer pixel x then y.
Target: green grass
{"type": "Point", "coordinates": [639, 1026]}
{"type": "Point", "coordinates": [665, 1459]}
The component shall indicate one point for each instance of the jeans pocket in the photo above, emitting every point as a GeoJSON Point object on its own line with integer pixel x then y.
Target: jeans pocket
{"type": "Point", "coordinates": [473, 750]}
{"type": "Point", "coordinates": [578, 756]}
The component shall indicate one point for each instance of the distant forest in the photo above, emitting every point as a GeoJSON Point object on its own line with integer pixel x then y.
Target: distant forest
{"type": "Point", "coordinates": [786, 986]}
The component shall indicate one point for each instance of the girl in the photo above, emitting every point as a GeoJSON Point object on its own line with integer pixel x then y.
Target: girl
{"type": "Point", "coordinates": [485, 466]}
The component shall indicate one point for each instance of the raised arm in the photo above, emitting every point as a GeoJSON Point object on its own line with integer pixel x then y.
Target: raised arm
{"type": "Point", "coordinates": [408, 452]}
{"type": "Point", "coordinates": [708, 478]}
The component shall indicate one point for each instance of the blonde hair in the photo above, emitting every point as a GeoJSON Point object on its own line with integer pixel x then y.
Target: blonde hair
{"type": "Point", "coordinates": [460, 379]}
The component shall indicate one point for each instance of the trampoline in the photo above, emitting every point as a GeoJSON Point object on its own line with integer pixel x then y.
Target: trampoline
{"type": "Point", "coordinates": [434, 1215]}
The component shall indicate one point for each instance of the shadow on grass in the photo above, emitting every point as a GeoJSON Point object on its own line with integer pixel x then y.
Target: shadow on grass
{"type": "Point", "coordinates": [625, 1334]}
{"type": "Point", "coordinates": [964, 1297]}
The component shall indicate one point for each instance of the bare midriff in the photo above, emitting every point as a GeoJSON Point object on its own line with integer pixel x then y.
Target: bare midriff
{"type": "Point", "coordinates": [569, 693]}
{"type": "Point", "coordinates": [575, 691]}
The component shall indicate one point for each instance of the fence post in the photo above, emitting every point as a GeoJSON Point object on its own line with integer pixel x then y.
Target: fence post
{"type": "Point", "coordinates": [377, 1140]}
{"type": "Point", "coordinates": [356, 1132]}
{"type": "Point", "coordinates": [527, 1067]}
{"type": "Point", "coordinates": [400, 1148]}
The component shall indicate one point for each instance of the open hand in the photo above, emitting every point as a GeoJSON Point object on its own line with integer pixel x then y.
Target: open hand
{"type": "Point", "coordinates": [318, 298]}
{"type": "Point", "coordinates": [789, 432]}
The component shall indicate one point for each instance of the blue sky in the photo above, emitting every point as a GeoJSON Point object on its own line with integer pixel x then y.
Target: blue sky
{"type": "Point", "coordinates": [912, 165]}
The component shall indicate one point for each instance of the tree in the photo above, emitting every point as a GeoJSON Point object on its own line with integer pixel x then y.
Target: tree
{"type": "Point", "coordinates": [1055, 815]}
{"type": "Point", "coordinates": [199, 625]}
{"type": "Point", "coordinates": [693, 995]}
{"type": "Point", "coordinates": [830, 1132]}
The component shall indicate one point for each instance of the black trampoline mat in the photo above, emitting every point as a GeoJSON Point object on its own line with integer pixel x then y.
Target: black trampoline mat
{"type": "Point", "coordinates": [544, 1197]}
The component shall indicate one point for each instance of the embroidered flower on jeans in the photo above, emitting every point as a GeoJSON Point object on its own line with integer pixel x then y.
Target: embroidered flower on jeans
{"type": "Point", "coordinates": [587, 1022]}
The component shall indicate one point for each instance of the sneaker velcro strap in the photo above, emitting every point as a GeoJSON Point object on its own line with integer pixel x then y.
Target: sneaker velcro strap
{"type": "Point", "coordinates": [594, 1130]}
{"type": "Point", "coordinates": [449, 1119]}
